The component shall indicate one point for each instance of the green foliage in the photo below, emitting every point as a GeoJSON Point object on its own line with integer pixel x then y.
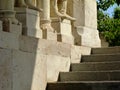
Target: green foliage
{"type": "Point", "coordinates": [105, 4]}
{"type": "Point", "coordinates": [109, 27]}
{"type": "Point", "coordinates": [111, 31]}
{"type": "Point", "coordinates": [117, 13]}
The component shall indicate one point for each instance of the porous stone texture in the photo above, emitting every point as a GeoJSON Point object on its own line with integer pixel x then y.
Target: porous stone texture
{"type": "Point", "coordinates": [56, 64]}
{"type": "Point", "coordinates": [16, 29]}
{"type": "Point", "coordinates": [86, 32]}
{"type": "Point", "coordinates": [64, 30]}
{"type": "Point", "coordinates": [89, 37]}
{"type": "Point", "coordinates": [84, 11]}
{"type": "Point", "coordinates": [0, 25]}
{"type": "Point", "coordinates": [22, 70]}
{"type": "Point", "coordinates": [49, 35]}
{"type": "Point", "coordinates": [77, 51]}
{"type": "Point", "coordinates": [29, 71]}
{"type": "Point", "coordinates": [30, 20]}
{"type": "Point", "coordinates": [30, 44]}
{"type": "Point", "coordinates": [9, 40]}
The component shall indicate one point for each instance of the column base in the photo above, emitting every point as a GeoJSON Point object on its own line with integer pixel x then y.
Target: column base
{"type": "Point", "coordinates": [88, 37]}
{"type": "Point", "coordinates": [47, 30]}
{"type": "Point", "coordinates": [30, 20]}
{"type": "Point", "coordinates": [64, 30]}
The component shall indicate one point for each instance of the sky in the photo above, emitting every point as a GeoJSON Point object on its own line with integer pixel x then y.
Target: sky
{"type": "Point", "coordinates": [111, 10]}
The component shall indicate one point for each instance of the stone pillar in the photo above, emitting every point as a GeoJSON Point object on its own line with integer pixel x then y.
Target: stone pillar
{"type": "Point", "coordinates": [64, 30]}
{"type": "Point", "coordinates": [30, 20]}
{"type": "Point", "coordinates": [48, 31]}
{"type": "Point", "coordinates": [7, 15]}
{"type": "Point", "coordinates": [85, 12]}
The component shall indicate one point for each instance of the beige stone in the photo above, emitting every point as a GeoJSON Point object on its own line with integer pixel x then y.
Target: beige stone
{"type": "Point", "coordinates": [77, 51]}
{"type": "Point", "coordinates": [30, 44]}
{"type": "Point", "coordinates": [64, 30]}
{"type": "Point", "coordinates": [84, 11]}
{"type": "Point", "coordinates": [29, 71]}
{"type": "Point", "coordinates": [30, 20]}
{"type": "Point", "coordinates": [89, 37]}
{"type": "Point", "coordinates": [22, 70]}
{"type": "Point", "coordinates": [49, 35]}
{"type": "Point", "coordinates": [9, 40]}
{"type": "Point", "coordinates": [56, 64]}
{"type": "Point", "coordinates": [65, 39]}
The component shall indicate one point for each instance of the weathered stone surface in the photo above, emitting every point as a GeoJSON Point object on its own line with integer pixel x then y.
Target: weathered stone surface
{"type": "Point", "coordinates": [0, 25]}
{"type": "Point", "coordinates": [56, 64]}
{"type": "Point", "coordinates": [47, 47]}
{"type": "Point", "coordinates": [64, 30]}
{"type": "Point", "coordinates": [5, 71]}
{"type": "Point", "coordinates": [22, 70]}
{"type": "Point", "coordinates": [89, 37]}
{"type": "Point", "coordinates": [65, 39]}
{"type": "Point", "coordinates": [16, 29]}
{"type": "Point", "coordinates": [49, 35]}
{"type": "Point", "coordinates": [29, 71]}
{"type": "Point", "coordinates": [62, 27]}
{"type": "Point", "coordinates": [9, 40]}
{"type": "Point", "coordinates": [77, 51]}
{"type": "Point", "coordinates": [84, 11]}
{"type": "Point", "coordinates": [30, 20]}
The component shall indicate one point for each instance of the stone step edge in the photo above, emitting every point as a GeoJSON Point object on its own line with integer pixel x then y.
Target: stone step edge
{"type": "Point", "coordinates": [96, 62]}
{"type": "Point", "coordinates": [92, 82]}
{"type": "Point", "coordinates": [107, 71]}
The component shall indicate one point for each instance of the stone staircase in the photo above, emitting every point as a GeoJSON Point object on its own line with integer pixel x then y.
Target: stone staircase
{"type": "Point", "coordinates": [98, 71]}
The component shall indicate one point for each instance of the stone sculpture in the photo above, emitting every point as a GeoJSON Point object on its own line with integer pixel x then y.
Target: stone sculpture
{"type": "Point", "coordinates": [60, 7]}
{"type": "Point", "coordinates": [32, 4]}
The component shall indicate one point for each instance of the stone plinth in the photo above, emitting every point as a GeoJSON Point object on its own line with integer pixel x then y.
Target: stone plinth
{"type": "Point", "coordinates": [89, 37]}
{"type": "Point", "coordinates": [47, 30]}
{"type": "Point", "coordinates": [22, 70]}
{"type": "Point", "coordinates": [30, 20]}
{"type": "Point", "coordinates": [64, 30]}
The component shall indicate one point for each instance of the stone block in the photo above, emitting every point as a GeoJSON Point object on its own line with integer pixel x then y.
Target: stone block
{"type": "Point", "coordinates": [48, 47]}
{"type": "Point", "coordinates": [84, 11]}
{"type": "Point", "coordinates": [9, 40]}
{"type": "Point", "coordinates": [64, 30]}
{"type": "Point", "coordinates": [16, 29]}
{"type": "Point", "coordinates": [89, 37]}
{"type": "Point", "coordinates": [0, 25]}
{"type": "Point", "coordinates": [77, 51]}
{"type": "Point", "coordinates": [65, 39]}
{"type": "Point", "coordinates": [5, 71]}
{"type": "Point", "coordinates": [49, 35]}
{"type": "Point", "coordinates": [30, 20]}
{"type": "Point", "coordinates": [56, 64]}
{"type": "Point", "coordinates": [29, 71]}
{"type": "Point", "coordinates": [62, 27]}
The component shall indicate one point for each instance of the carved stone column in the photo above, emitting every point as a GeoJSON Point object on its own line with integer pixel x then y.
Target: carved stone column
{"type": "Point", "coordinates": [48, 31]}
{"type": "Point", "coordinates": [7, 15]}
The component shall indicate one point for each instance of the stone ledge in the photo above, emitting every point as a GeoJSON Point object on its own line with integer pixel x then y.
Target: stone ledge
{"type": "Point", "coordinates": [47, 47]}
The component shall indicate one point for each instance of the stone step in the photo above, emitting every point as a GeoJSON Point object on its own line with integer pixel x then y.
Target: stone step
{"type": "Point", "coordinates": [92, 85]}
{"type": "Point", "coordinates": [95, 66]}
{"type": "Point", "coordinates": [101, 58]}
{"type": "Point", "coordinates": [109, 50]}
{"type": "Point", "coordinates": [90, 76]}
